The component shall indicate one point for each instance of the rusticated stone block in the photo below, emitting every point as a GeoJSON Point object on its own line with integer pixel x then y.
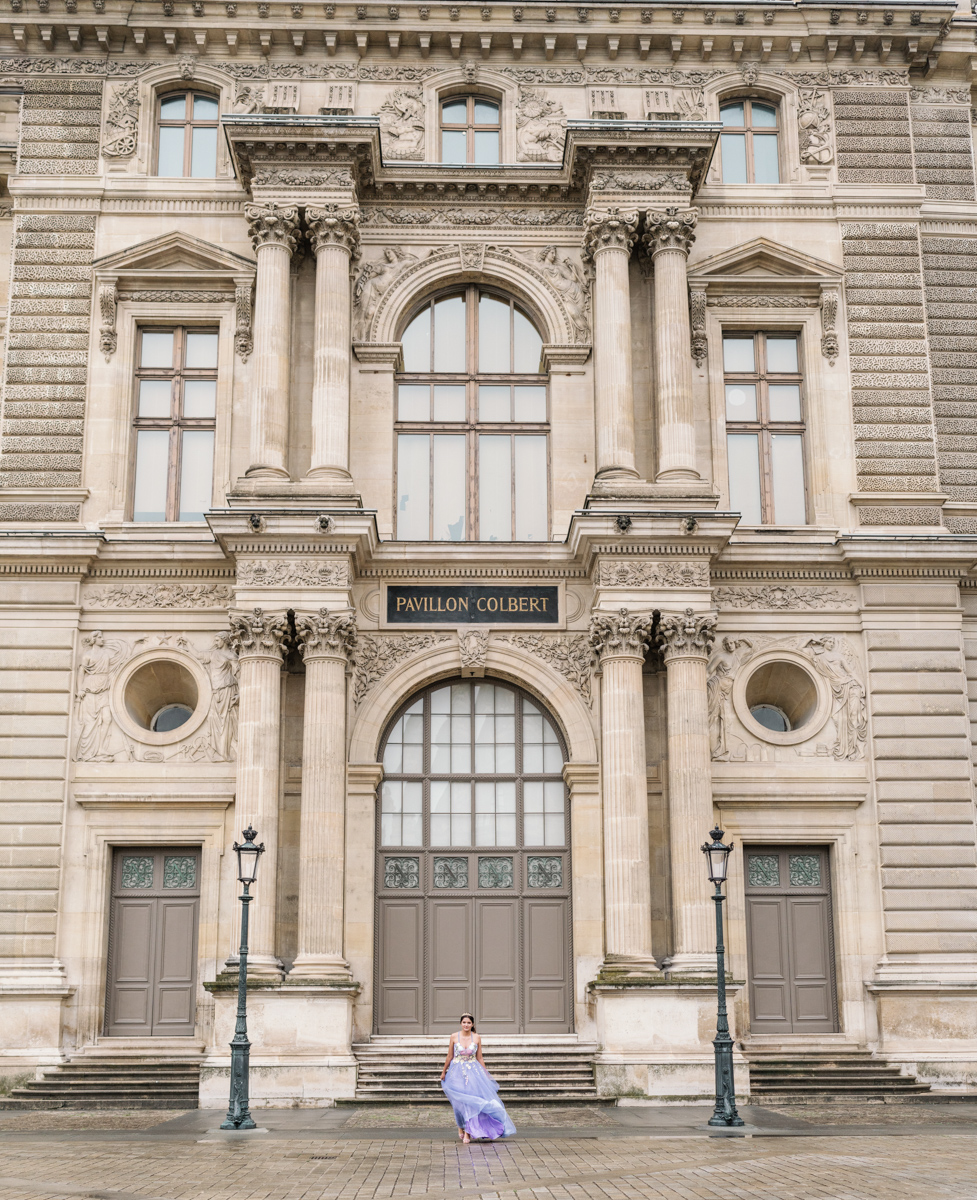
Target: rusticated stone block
{"type": "Point", "coordinates": [55, 222]}
{"type": "Point", "coordinates": [41, 462]}
{"type": "Point", "coordinates": [50, 272]}
{"type": "Point", "coordinates": [45, 408]}
{"type": "Point", "coordinates": [899, 515]}
{"type": "Point", "coordinates": [40, 512]}
{"type": "Point", "coordinates": [49, 166]}
{"type": "Point", "coordinates": [41, 445]}
{"type": "Point", "coordinates": [17, 428]}
{"type": "Point", "coordinates": [47, 341]}
{"type": "Point", "coordinates": [47, 374]}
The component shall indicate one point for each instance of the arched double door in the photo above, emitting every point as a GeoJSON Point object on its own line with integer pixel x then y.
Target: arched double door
{"type": "Point", "coordinates": [473, 865]}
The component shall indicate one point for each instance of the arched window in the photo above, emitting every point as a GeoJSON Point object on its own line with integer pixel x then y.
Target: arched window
{"type": "Point", "coordinates": [470, 130]}
{"type": "Point", "coordinates": [748, 146]}
{"type": "Point", "coordinates": [472, 423]}
{"type": "Point", "coordinates": [186, 135]}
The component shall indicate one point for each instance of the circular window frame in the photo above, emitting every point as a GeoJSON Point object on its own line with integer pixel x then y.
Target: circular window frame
{"type": "Point", "coordinates": [149, 737]}
{"type": "Point", "coordinates": [793, 737]}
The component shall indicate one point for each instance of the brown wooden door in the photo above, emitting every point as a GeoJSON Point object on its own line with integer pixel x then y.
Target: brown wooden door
{"type": "Point", "coordinates": [473, 866]}
{"type": "Point", "coordinates": [153, 943]}
{"type": "Point", "coordinates": [789, 940]}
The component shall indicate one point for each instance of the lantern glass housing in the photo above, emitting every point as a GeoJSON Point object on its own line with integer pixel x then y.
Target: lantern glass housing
{"type": "Point", "coordinates": [247, 856]}
{"type": "Point", "coordinates": [717, 856]}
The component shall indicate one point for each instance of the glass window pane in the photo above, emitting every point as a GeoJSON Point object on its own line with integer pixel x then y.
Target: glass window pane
{"type": "Point", "coordinates": [413, 483]}
{"type": "Point", "coordinates": [787, 470]}
{"type": "Point", "coordinates": [494, 489]}
{"type": "Point", "coordinates": [157, 349]}
{"type": "Point", "coordinates": [449, 488]}
{"type": "Point", "coordinates": [152, 463]}
{"type": "Point", "coordinates": [528, 345]}
{"type": "Point", "coordinates": [486, 113]}
{"type": "Point", "coordinates": [416, 342]}
{"type": "Point", "coordinates": [733, 157]}
{"type": "Point", "coordinates": [785, 401]}
{"type": "Point", "coordinates": [486, 147]}
{"type": "Point", "coordinates": [782, 355]}
{"type": "Point", "coordinates": [738, 354]}
{"type": "Point", "coordinates": [741, 402]}
{"type": "Point", "coordinates": [454, 146]}
{"type": "Point", "coordinates": [530, 403]}
{"type": "Point", "coordinates": [202, 351]}
{"type": "Point", "coordinates": [154, 397]}
{"type": "Point", "coordinates": [732, 114]}
{"type": "Point", "coordinates": [449, 334]}
{"type": "Point", "coordinates": [169, 163]}
{"type": "Point", "coordinates": [531, 522]}
{"type": "Point", "coordinates": [454, 112]}
{"type": "Point", "coordinates": [494, 402]}
{"type": "Point", "coordinates": [766, 164]}
{"type": "Point", "coordinates": [412, 829]}
{"type": "Point", "coordinates": [449, 402]}
{"type": "Point", "coordinates": [743, 454]}
{"type": "Point", "coordinates": [764, 115]}
{"type": "Point", "coordinates": [414, 402]}
{"type": "Point", "coordinates": [493, 335]}
{"type": "Point", "coordinates": [203, 152]}
{"type": "Point", "coordinates": [200, 398]}
{"type": "Point", "coordinates": [205, 108]}
{"type": "Point", "coordinates": [173, 108]}
{"type": "Point", "coordinates": [196, 474]}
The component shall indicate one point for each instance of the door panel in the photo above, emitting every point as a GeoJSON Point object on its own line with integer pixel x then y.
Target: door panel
{"type": "Point", "coordinates": [451, 963]}
{"type": "Point", "coordinates": [496, 958]}
{"type": "Point", "coordinates": [788, 920]}
{"type": "Point", "coordinates": [131, 995]}
{"type": "Point", "coordinates": [175, 968]}
{"type": "Point", "coordinates": [401, 965]}
{"type": "Point", "coordinates": [546, 969]}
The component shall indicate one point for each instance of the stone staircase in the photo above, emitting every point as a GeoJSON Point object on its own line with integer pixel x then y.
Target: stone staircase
{"type": "Point", "coordinates": [529, 1070]}
{"type": "Point", "coordinates": [827, 1077]}
{"type": "Point", "coordinates": [104, 1082]}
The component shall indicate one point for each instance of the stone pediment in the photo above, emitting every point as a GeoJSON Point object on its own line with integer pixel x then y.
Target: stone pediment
{"type": "Point", "coordinates": [763, 259]}
{"type": "Point", "coordinates": [175, 259]}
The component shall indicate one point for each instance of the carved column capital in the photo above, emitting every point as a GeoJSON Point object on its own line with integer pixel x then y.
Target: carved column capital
{"type": "Point", "coordinates": [326, 634]}
{"type": "Point", "coordinates": [334, 225]}
{"type": "Point", "coordinates": [270, 225]}
{"type": "Point", "coordinates": [610, 229]}
{"type": "Point", "coordinates": [686, 635]}
{"type": "Point", "coordinates": [671, 229]}
{"type": "Point", "coordinates": [258, 634]}
{"type": "Point", "coordinates": [620, 635]}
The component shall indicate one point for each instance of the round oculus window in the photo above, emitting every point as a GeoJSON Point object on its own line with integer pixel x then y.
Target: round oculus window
{"type": "Point", "coordinates": [771, 717]}
{"type": "Point", "coordinates": [170, 717]}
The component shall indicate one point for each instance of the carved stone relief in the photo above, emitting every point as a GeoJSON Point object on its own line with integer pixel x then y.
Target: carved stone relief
{"type": "Point", "coordinates": [784, 597]}
{"type": "Point", "coordinates": [814, 125]}
{"type": "Point", "coordinates": [121, 122]}
{"type": "Point", "coordinates": [653, 574]}
{"type": "Point", "coordinates": [829, 334]}
{"type": "Point", "coordinates": [402, 125]}
{"type": "Point", "coordinates": [378, 653]}
{"type": "Point", "coordinates": [158, 595]}
{"type": "Point", "coordinates": [473, 647]}
{"type": "Point", "coordinates": [540, 127]}
{"type": "Point", "coordinates": [572, 283]}
{"type": "Point", "coordinates": [372, 280]}
{"type": "Point", "coordinates": [638, 181]}
{"type": "Point", "coordinates": [294, 572]}
{"type": "Point", "coordinates": [697, 319]}
{"type": "Point", "coordinates": [531, 217]}
{"type": "Point", "coordinates": [569, 653]}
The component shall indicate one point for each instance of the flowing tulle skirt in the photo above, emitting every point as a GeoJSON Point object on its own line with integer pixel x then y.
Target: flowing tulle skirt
{"type": "Point", "coordinates": [475, 1100]}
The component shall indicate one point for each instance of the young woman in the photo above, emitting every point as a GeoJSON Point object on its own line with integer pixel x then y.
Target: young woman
{"type": "Point", "coordinates": [474, 1094]}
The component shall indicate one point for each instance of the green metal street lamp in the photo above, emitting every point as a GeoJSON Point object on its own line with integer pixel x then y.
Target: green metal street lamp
{"type": "Point", "coordinates": [238, 1112]}
{"type": "Point", "coordinates": [725, 1114]}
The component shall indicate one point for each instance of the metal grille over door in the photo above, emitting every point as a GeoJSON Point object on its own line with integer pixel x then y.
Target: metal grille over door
{"type": "Point", "coordinates": [473, 866]}
{"type": "Point", "coordinates": [153, 942]}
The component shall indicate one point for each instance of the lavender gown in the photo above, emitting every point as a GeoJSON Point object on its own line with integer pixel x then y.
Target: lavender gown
{"type": "Point", "coordinates": [475, 1097]}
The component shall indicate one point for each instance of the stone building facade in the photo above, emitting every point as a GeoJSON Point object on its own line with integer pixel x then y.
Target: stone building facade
{"type": "Point", "coordinates": [483, 447]}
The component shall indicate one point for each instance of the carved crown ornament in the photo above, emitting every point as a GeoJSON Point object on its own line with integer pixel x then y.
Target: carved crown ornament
{"type": "Point", "coordinates": [686, 634]}
{"type": "Point", "coordinates": [671, 229]}
{"type": "Point", "coordinates": [271, 224]}
{"type": "Point", "coordinates": [326, 634]}
{"type": "Point", "coordinates": [258, 634]}
{"type": "Point", "coordinates": [610, 229]}
{"type": "Point", "coordinates": [622, 634]}
{"type": "Point", "coordinates": [174, 269]}
{"type": "Point", "coordinates": [334, 225]}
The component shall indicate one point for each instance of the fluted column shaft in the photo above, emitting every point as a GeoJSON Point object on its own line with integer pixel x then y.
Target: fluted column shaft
{"type": "Point", "coordinates": [610, 236]}
{"type": "Point", "coordinates": [273, 234]}
{"type": "Point", "coordinates": [259, 640]}
{"type": "Point", "coordinates": [334, 234]}
{"type": "Point", "coordinates": [620, 641]}
{"type": "Point", "coordinates": [325, 640]}
{"type": "Point", "coordinates": [686, 641]}
{"type": "Point", "coordinates": [669, 239]}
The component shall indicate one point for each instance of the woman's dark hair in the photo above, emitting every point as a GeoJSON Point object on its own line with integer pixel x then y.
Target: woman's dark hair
{"type": "Point", "coordinates": [470, 1017]}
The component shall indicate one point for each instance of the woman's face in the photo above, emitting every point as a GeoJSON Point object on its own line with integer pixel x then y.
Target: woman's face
{"type": "Point", "coordinates": [466, 1024]}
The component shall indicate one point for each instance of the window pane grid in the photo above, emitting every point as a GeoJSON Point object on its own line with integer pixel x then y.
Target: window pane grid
{"type": "Point", "coordinates": [749, 142]}
{"type": "Point", "coordinates": [470, 130]}
{"type": "Point", "coordinates": [187, 135]}
{"type": "Point", "coordinates": [174, 423]}
{"type": "Point", "coordinates": [765, 427]}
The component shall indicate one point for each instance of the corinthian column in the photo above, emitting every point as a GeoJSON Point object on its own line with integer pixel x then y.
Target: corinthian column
{"type": "Point", "coordinates": [686, 641]}
{"type": "Point", "coordinates": [325, 641]}
{"type": "Point", "coordinates": [334, 234]}
{"type": "Point", "coordinates": [259, 640]}
{"type": "Point", "coordinates": [620, 641]}
{"type": "Point", "coordinates": [273, 234]}
{"type": "Point", "coordinates": [668, 240]}
{"type": "Point", "coordinates": [610, 234]}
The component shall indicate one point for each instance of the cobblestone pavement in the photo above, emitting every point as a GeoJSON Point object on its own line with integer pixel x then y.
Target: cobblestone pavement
{"type": "Point", "coordinates": [658, 1154]}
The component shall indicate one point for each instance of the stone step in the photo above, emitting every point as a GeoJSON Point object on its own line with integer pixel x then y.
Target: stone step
{"type": "Point", "coordinates": [805, 1078]}
{"type": "Point", "coordinates": [129, 1084]}
{"type": "Point", "coordinates": [523, 1096]}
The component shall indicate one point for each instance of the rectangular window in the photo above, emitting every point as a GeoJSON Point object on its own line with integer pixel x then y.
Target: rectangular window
{"type": "Point", "coordinates": [174, 422]}
{"type": "Point", "coordinates": [765, 427]}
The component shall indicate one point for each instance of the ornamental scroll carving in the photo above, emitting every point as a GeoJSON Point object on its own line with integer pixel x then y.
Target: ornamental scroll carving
{"type": "Point", "coordinates": [294, 572]}
{"type": "Point", "coordinates": [243, 340]}
{"type": "Point", "coordinates": [622, 633]}
{"type": "Point", "coordinates": [610, 229]}
{"type": "Point", "coordinates": [121, 122]}
{"type": "Point", "coordinates": [402, 124]}
{"type": "Point", "coordinates": [377, 654]}
{"type": "Point", "coordinates": [473, 647]}
{"type": "Point", "coordinates": [697, 319]}
{"type": "Point", "coordinates": [270, 224]}
{"type": "Point", "coordinates": [784, 598]}
{"type": "Point", "coordinates": [540, 127]}
{"type": "Point", "coordinates": [829, 317]}
{"type": "Point", "coordinates": [686, 633]}
{"type": "Point", "coordinates": [326, 634]}
{"type": "Point", "coordinates": [259, 634]}
{"type": "Point", "coordinates": [653, 574]}
{"type": "Point", "coordinates": [107, 307]}
{"type": "Point", "coordinates": [159, 595]}
{"type": "Point", "coordinates": [569, 653]}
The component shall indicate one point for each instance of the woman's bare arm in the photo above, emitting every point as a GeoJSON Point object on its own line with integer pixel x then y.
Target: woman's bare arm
{"type": "Point", "coordinates": [447, 1060]}
{"type": "Point", "coordinates": [478, 1052]}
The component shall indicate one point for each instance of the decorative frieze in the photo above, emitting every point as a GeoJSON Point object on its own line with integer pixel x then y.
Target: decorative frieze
{"type": "Point", "coordinates": [435, 215]}
{"type": "Point", "coordinates": [293, 572]}
{"type": "Point", "coordinates": [287, 177]}
{"type": "Point", "coordinates": [629, 574]}
{"type": "Point", "coordinates": [639, 181]}
{"type": "Point", "coordinates": [783, 597]}
{"type": "Point", "coordinates": [569, 653]}
{"type": "Point", "coordinates": [158, 595]}
{"type": "Point", "coordinates": [378, 653]}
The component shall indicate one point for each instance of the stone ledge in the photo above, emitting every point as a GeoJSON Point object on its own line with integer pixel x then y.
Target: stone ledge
{"type": "Point", "coordinates": [227, 982]}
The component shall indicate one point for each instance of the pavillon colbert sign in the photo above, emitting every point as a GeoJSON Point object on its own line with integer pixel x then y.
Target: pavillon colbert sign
{"type": "Point", "coordinates": [472, 604]}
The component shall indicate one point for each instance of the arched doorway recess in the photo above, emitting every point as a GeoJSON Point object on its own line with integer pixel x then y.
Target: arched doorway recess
{"type": "Point", "coordinates": [473, 865]}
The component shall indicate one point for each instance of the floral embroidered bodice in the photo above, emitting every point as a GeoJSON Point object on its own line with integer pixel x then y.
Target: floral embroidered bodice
{"type": "Point", "coordinates": [466, 1052]}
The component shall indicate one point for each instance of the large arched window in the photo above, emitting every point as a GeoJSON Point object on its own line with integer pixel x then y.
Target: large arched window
{"type": "Point", "coordinates": [470, 130]}
{"type": "Point", "coordinates": [472, 423]}
{"type": "Point", "coordinates": [186, 135]}
{"type": "Point", "coordinates": [748, 146]}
